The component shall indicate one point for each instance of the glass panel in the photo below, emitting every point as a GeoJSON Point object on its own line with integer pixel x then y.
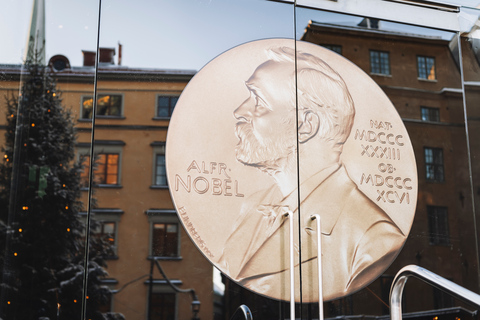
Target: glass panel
{"type": "Point", "coordinates": [147, 74]}
{"type": "Point", "coordinates": [52, 160]}
{"type": "Point", "coordinates": [423, 82]}
{"type": "Point", "coordinates": [160, 173]}
{"type": "Point", "coordinates": [467, 43]}
{"type": "Point", "coordinates": [42, 197]}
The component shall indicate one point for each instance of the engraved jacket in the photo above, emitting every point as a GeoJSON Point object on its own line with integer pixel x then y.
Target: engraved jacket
{"type": "Point", "coordinates": [359, 240]}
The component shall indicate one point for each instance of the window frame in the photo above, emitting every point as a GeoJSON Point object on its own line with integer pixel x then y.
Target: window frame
{"type": "Point", "coordinates": [381, 65]}
{"type": "Point", "coordinates": [434, 235]}
{"type": "Point", "coordinates": [110, 283]}
{"type": "Point", "coordinates": [435, 166]}
{"type": "Point", "coordinates": [158, 149]}
{"type": "Point", "coordinates": [426, 78]}
{"type": "Point", "coordinates": [170, 108]}
{"type": "Point", "coordinates": [105, 170]}
{"type": "Point", "coordinates": [103, 147]}
{"type": "Point", "coordinates": [156, 216]}
{"type": "Point", "coordinates": [333, 47]}
{"type": "Point", "coordinates": [430, 110]}
{"type": "Point", "coordinates": [162, 287]}
{"type": "Point", "coordinates": [122, 106]}
{"type": "Point", "coordinates": [111, 215]}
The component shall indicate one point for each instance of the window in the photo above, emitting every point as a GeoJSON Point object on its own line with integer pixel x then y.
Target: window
{"type": "Point", "coordinates": [434, 164]}
{"type": "Point", "coordinates": [108, 105]}
{"type": "Point", "coordinates": [105, 227]}
{"type": "Point", "coordinates": [163, 306]}
{"type": "Point", "coordinates": [159, 171]}
{"type": "Point", "coordinates": [165, 239]}
{"type": "Point", "coordinates": [379, 62]}
{"type": "Point", "coordinates": [163, 301]}
{"type": "Point", "coordinates": [165, 105]}
{"type": "Point", "coordinates": [426, 68]}
{"type": "Point", "coordinates": [334, 48]}
{"type": "Point", "coordinates": [430, 114]}
{"type": "Point", "coordinates": [438, 225]}
{"type": "Point", "coordinates": [106, 230]}
{"type": "Point", "coordinates": [164, 233]}
{"type": "Point", "coordinates": [106, 171]}
{"type": "Point", "coordinates": [107, 306]}
{"type": "Point", "coordinates": [107, 162]}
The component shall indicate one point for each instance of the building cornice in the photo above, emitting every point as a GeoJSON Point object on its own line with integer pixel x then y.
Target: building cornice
{"type": "Point", "coordinates": [114, 73]}
{"type": "Point", "coordinates": [316, 27]}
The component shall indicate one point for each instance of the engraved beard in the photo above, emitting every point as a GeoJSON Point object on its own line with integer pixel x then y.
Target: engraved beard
{"type": "Point", "coordinates": [264, 153]}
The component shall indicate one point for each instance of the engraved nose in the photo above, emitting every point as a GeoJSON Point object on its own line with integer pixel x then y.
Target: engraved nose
{"type": "Point", "coordinates": [244, 111]}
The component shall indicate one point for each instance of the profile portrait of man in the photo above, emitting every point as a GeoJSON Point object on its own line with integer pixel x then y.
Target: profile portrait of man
{"type": "Point", "coordinates": [292, 127]}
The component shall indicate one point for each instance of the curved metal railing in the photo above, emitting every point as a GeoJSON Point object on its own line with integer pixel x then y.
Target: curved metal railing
{"type": "Point", "coordinates": [242, 313]}
{"type": "Point", "coordinates": [430, 278]}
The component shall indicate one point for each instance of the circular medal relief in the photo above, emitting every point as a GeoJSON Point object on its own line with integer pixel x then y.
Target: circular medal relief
{"type": "Point", "coordinates": [252, 139]}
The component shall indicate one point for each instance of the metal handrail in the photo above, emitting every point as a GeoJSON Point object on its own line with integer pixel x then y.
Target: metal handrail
{"type": "Point", "coordinates": [242, 313]}
{"type": "Point", "coordinates": [430, 278]}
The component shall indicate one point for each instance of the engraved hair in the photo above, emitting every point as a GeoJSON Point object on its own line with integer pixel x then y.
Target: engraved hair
{"type": "Point", "coordinates": [322, 90]}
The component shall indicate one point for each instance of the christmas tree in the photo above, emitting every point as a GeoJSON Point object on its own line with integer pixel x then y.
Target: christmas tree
{"type": "Point", "coordinates": [44, 260]}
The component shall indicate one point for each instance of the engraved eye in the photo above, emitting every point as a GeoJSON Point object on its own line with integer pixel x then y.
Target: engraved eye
{"type": "Point", "coordinates": [260, 107]}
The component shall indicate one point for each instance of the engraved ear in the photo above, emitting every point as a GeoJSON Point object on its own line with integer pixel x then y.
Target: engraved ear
{"type": "Point", "coordinates": [308, 128]}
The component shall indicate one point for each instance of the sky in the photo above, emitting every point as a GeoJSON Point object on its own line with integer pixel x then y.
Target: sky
{"type": "Point", "coordinates": [181, 34]}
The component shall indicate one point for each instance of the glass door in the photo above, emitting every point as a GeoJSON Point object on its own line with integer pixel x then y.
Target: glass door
{"type": "Point", "coordinates": [183, 152]}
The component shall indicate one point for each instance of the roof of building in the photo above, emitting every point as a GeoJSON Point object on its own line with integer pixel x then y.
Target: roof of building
{"type": "Point", "coordinates": [12, 72]}
{"type": "Point", "coordinates": [313, 25]}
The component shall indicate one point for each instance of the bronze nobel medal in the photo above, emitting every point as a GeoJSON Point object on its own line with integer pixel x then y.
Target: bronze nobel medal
{"type": "Point", "coordinates": [263, 130]}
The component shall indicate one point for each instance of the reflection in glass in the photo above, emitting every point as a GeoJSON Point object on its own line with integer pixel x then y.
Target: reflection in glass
{"type": "Point", "coordinates": [444, 208]}
{"type": "Point", "coordinates": [380, 62]}
{"type": "Point", "coordinates": [165, 105]}
{"type": "Point", "coordinates": [438, 225]}
{"type": "Point", "coordinates": [106, 169]}
{"type": "Point", "coordinates": [433, 113]}
{"type": "Point", "coordinates": [430, 114]}
{"type": "Point", "coordinates": [162, 306]}
{"type": "Point", "coordinates": [160, 172]}
{"type": "Point", "coordinates": [426, 68]}
{"type": "Point", "coordinates": [334, 48]}
{"type": "Point", "coordinates": [107, 105]}
{"type": "Point", "coordinates": [164, 242]}
{"type": "Point", "coordinates": [434, 164]}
